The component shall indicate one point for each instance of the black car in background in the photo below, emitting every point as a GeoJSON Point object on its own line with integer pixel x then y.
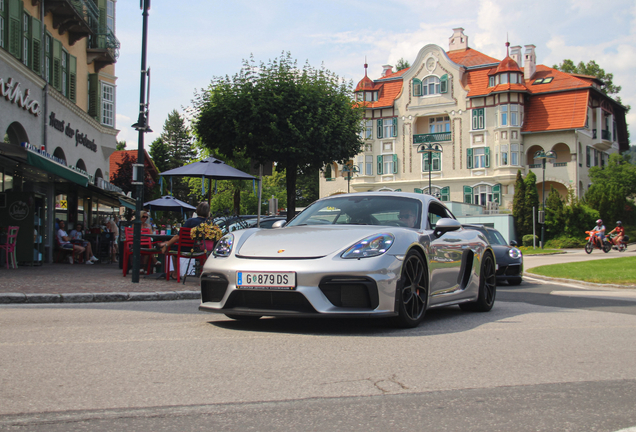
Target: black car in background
{"type": "Point", "coordinates": [509, 258]}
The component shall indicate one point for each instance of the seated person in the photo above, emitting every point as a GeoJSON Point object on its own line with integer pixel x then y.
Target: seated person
{"type": "Point", "coordinates": [146, 225]}
{"type": "Point", "coordinates": [408, 216]}
{"type": "Point", "coordinates": [114, 228]}
{"type": "Point", "coordinates": [65, 243]}
{"type": "Point", "coordinates": [598, 233]}
{"type": "Point", "coordinates": [620, 232]}
{"type": "Point", "coordinates": [202, 212]}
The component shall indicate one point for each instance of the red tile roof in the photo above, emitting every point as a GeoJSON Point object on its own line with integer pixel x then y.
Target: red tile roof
{"type": "Point", "coordinates": [561, 80]}
{"type": "Point", "coordinates": [469, 58]}
{"type": "Point", "coordinates": [556, 111]}
{"type": "Point", "coordinates": [507, 65]}
{"type": "Point", "coordinates": [118, 157]}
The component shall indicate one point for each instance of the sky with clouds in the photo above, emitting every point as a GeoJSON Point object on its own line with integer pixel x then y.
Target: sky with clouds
{"type": "Point", "coordinates": [189, 42]}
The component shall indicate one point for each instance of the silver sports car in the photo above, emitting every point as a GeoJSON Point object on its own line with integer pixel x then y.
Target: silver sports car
{"type": "Point", "coordinates": [372, 254]}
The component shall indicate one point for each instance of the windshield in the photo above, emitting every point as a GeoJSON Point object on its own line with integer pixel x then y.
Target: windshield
{"type": "Point", "coordinates": [362, 210]}
{"type": "Point", "coordinates": [495, 237]}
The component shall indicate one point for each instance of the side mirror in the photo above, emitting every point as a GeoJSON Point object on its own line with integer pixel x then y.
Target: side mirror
{"type": "Point", "coordinates": [445, 225]}
{"type": "Point", "coordinates": [513, 243]}
{"type": "Point", "coordinates": [279, 224]}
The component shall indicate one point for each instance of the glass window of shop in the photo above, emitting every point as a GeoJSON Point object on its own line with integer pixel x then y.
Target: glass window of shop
{"type": "Point", "coordinates": [6, 182]}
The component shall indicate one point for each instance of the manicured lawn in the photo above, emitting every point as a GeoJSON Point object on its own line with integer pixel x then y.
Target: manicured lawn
{"type": "Point", "coordinates": [620, 271]}
{"type": "Point", "coordinates": [529, 250]}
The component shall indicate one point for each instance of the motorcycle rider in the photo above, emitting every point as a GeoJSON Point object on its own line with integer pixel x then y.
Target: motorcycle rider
{"type": "Point", "coordinates": [599, 233]}
{"type": "Point", "coordinates": [620, 232]}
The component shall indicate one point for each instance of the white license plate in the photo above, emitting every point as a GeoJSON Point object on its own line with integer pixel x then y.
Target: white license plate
{"type": "Point", "coordinates": [266, 280]}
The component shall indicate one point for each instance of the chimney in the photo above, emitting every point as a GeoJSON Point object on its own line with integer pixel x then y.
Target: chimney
{"type": "Point", "coordinates": [387, 70]}
{"type": "Point", "coordinates": [515, 54]}
{"type": "Point", "coordinates": [530, 60]}
{"type": "Point", "coordinates": [458, 40]}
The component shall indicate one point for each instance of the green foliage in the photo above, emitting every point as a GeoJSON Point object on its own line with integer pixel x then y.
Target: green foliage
{"type": "Point", "coordinates": [554, 215]}
{"type": "Point", "coordinates": [611, 188]}
{"type": "Point", "coordinates": [519, 205]}
{"type": "Point", "coordinates": [402, 64]}
{"type": "Point", "coordinates": [121, 145]}
{"type": "Point", "coordinates": [578, 219]}
{"type": "Point", "coordinates": [531, 200]}
{"type": "Point", "coordinates": [591, 69]}
{"type": "Point", "coordinates": [160, 155]}
{"type": "Point", "coordinates": [564, 242]}
{"type": "Point", "coordinates": [528, 240]}
{"type": "Point", "coordinates": [300, 118]}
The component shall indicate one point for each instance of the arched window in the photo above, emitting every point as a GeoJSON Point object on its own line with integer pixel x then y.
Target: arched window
{"type": "Point", "coordinates": [16, 134]}
{"type": "Point", "coordinates": [80, 165]}
{"type": "Point", "coordinates": [59, 153]}
{"type": "Point", "coordinates": [431, 86]}
{"type": "Point", "coordinates": [482, 194]}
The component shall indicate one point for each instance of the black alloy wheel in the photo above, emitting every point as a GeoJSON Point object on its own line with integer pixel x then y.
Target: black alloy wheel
{"type": "Point", "coordinates": [487, 287]}
{"type": "Point", "coordinates": [413, 298]}
{"type": "Point", "coordinates": [589, 247]}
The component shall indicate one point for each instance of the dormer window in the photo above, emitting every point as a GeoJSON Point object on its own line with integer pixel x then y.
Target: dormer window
{"type": "Point", "coordinates": [543, 80]}
{"type": "Point", "coordinates": [514, 78]}
{"type": "Point", "coordinates": [491, 81]}
{"type": "Point", "coordinates": [503, 78]}
{"type": "Point", "coordinates": [371, 96]}
{"type": "Point", "coordinates": [431, 85]}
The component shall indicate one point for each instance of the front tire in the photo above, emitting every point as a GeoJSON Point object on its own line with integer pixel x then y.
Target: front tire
{"type": "Point", "coordinates": [487, 287]}
{"type": "Point", "coordinates": [589, 247]}
{"type": "Point", "coordinates": [607, 246]}
{"type": "Point", "coordinates": [412, 299]}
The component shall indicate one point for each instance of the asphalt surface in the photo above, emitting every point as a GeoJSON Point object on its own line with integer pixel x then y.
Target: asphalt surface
{"type": "Point", "coordinates": [80, 283]}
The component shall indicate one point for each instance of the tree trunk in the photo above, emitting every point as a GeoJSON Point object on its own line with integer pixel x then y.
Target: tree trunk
{"type": "Point", "coordinates": [292, 172]}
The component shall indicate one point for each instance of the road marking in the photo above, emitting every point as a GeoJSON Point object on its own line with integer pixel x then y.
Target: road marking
{"type": "Point", "coordinates": [629, 296]}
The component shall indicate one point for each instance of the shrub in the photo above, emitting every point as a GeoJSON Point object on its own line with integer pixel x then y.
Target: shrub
{"type": "Point", "coordinates": [527, 240]}
{"type": "Point", "coordinates": [565, 242]}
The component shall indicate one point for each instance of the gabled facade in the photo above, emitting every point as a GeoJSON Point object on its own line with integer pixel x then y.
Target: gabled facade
{"type": "Point", "coordinates": [57, 115]}
{"type": "Point", "coordinates": [489, 117]}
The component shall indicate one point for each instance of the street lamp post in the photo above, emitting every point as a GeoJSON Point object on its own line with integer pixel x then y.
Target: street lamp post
{"type": "Point", "coordinates": [430, 148]}
{"type": "Point", "coordinates": [544, 156]}
{"type": "Point", "coordinates": [142, 127]}
{"type": "Point", "coordinates": [348, 172]}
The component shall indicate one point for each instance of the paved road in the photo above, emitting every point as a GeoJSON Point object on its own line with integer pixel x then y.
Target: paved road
{"type": "Point", "coordinates": [548, 357]}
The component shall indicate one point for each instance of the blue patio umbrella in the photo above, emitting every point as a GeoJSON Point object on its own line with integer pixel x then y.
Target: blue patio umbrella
{"type": "Point", "coordinates": [168, 203]}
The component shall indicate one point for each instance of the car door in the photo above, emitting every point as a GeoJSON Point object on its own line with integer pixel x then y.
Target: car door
{"type": "Point", "coordinates": [445, 253]}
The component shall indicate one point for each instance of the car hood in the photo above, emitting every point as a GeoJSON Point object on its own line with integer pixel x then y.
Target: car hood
{"type": "Point", "coordinates": [304, 241]}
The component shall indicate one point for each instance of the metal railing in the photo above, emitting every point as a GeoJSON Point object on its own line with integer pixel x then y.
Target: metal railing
{"type": "Point", "coordinates": [106, 39]}
{"type": "Point", "coordinates": [87, 9]}
{"type": "Point", "coordinates": [432, 137]}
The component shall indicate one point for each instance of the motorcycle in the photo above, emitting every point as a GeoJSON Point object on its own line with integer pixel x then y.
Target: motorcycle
{"type": "Point", "coordinates": [622, 247]}
{"type": "Point", "coordinates": [592, 243]}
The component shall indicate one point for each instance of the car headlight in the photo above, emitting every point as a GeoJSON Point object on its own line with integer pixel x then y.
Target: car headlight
{"type": "Point", "coordinates": [224, 246]}
{"type": "Point", "coordinates": [371, 246]}
{"type": "Point", "coordinates": [514, 253]}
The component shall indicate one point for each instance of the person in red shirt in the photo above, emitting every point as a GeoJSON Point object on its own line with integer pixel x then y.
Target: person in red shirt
{"type": "Point", "coordinates": [620, 232]}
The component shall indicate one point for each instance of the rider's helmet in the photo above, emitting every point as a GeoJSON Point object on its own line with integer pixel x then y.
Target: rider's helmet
{"type": "Point", "coordinates": [619, 223]}
{"type": "Point", "coordinates": [599, 222]}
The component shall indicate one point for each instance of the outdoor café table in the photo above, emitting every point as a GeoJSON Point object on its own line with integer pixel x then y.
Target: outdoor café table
{"type": "Point", "coordinates": [158, 238]}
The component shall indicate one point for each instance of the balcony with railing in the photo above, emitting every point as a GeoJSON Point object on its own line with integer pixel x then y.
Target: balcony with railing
{"type": "Point", "coordinates": [432, 137]}
{"type": "Point", "coordinates": [73, 16]}
{"type": "Point", "coordinates": [103, 48]}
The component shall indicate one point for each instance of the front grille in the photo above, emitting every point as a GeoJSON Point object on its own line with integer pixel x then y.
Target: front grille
{"type": "Point", "coordinates": [290, 301]}
{"type": "Point", "coordinates": [213, 288]}
{"type": "Point", "coordinates": [512, 270]}
{"type": "Point", "coordinates": [348, 292]}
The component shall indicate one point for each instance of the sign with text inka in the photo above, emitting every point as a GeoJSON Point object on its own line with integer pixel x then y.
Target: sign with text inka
{"type": "Point", "coordinates": [80, 138]}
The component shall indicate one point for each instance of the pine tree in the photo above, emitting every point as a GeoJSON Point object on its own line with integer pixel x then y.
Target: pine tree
{"type": "Point", "coordinates": [531, 200]}
{"type": "Point", "coordinates": [160, 155]}
{"type": "Point", "coordinates": [554, 216]}
{"type": "Point", "coordinates": [519, 207]}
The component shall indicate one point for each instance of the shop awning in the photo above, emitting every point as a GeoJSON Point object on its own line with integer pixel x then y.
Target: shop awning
{"type": "Point", "coordinates": [53, 167]}
{"type": "Point", "coordinates": [127, 204]}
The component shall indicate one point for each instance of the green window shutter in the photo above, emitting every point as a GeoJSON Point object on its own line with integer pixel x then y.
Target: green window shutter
{"type": "Point", "coordinates": [57, 64]}
{"type": "Point", "coordinates": [36, 46]}
{"type": "Point", "coordinates": [417, 87]}
{"type": "Point", "coordinates": [496, 193]}
{"type": "Point", "coordinates": [395, 163]}
{"type": "Point", "coordinates": [380, 165]}
{"type": "Point", "coordinates": [72, 78]}
{"type": "Point", "coordinates": [380, 128]}
{"type": "Point", "coordinates": [475, 119]}
{"type": "Point", "coordinates": [443, 84]}
{"type": "Point", "coordinates": [15, 28]}
{"type": "Point", "coordinates": [394, 126]}
{"type": "Point", "coordinates": [94, 103]}
{"type": "Point", "coordinates": [481, 118]}
{"type": "Point", "coordinates": [487, 152]}
{"type": "Point", "coordinates": [468, 194]}
{"type": "Point", "coordinates": [469, 163]}
{"type": "Point", "coordinates": [445, 193]}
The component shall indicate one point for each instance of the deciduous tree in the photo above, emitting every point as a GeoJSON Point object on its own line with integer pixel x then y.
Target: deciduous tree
{"type": "Point", "coordinates": [519, 207]}
{"type": "Point", "coordinates": [531, 201]}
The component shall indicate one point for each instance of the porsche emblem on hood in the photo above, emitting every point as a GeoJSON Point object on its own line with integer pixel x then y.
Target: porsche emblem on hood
{"type": "Point", "coordinates": [281, 250]}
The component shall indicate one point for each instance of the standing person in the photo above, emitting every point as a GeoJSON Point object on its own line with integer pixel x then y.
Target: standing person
{"type": "Point", "coordinates": [65, 243]}
{"type": "Point", "coordinates": [599, 233]}
{"type": "Point", "coordinates": [202, 212]}
{"type": "Point", "coordinates": [620, 232]}
{"type": "Point", "coordinates": [113, 227]}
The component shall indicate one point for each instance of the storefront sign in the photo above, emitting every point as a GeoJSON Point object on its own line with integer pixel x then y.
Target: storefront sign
{"type": "Point", "coordinates": [80, 138]}
{"type": "Point", "coordinates": [12, 92]}
{"type": "Point", "coordinates": [19, 210]}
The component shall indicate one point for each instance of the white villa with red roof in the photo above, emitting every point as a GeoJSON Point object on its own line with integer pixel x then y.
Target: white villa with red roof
{"type": "Point", "coordinates": [489, 118]}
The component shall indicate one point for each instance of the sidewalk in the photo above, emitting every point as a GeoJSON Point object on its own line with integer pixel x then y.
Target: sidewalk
{"type": "Point", "coordinates": [66, 283]}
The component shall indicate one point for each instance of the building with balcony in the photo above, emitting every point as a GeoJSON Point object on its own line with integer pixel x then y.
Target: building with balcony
{"type": "Point", "coordinates": [489, 116]}
{"type": "Point", "coordinates": [57, 116]}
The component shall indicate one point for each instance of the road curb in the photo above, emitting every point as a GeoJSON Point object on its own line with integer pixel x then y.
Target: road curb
{"type": "Point", "coordinates": [577, 282]}
{"type": "Point", "coordinates": [21, 298]}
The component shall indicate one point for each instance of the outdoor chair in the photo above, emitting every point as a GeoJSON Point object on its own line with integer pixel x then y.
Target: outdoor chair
{"type": "Point", "coordinates": [185, 248]}
{"type": "Point", "coordinates": [147, 248]}
{"type": "Point", "coordinates": [9, 247]}
{"type": "Point", "coordinates": [104, 245]}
